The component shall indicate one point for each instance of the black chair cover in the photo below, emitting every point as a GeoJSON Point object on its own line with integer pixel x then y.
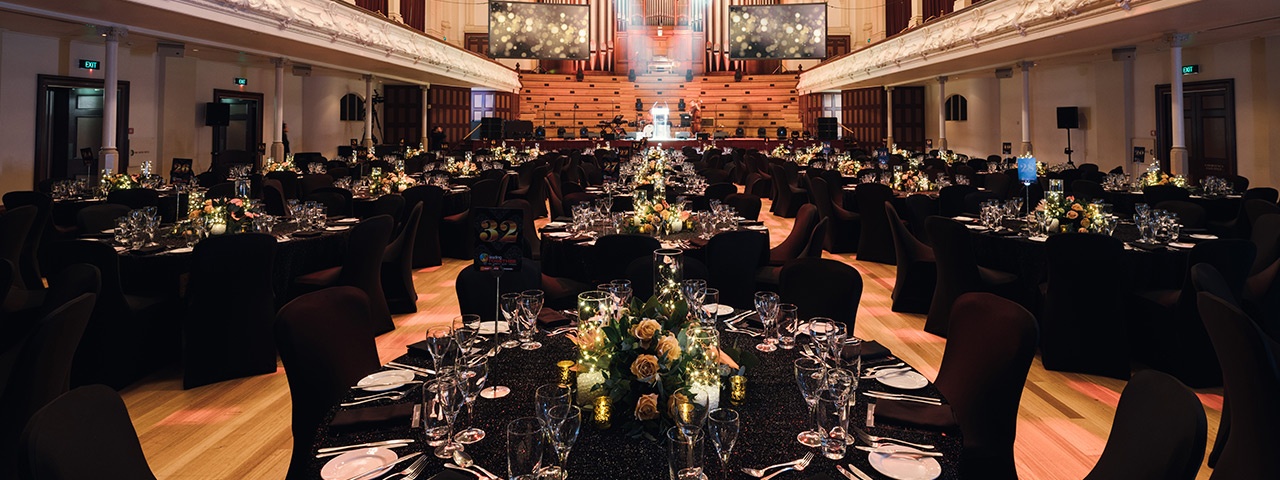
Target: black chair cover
{"type": "Point", "coordinates": [1087, 190]}
{"type": "Point", "coordinates": [1189, 214]}
{"type": "Point", "coordinates": [843, 225]}
{"type": "Point", "coordinates": [1255, 209]}
{"type": "Point", "coordinates": [226, 332]}
{"type": "Point", "coordinates": [289, 183]}
{"type": "Point", "coordinates": [397, 266]}
{"type": "Point", "coordinates": [1154, 194]}
{"type": "Point", "coordinates": [29, 260]}
{"type": "Point", "coordinates": [1001, 184]}
{"type": "Point", "coordinates": [973, 201]}
{"type": "Point", "coordinates": [1158, 432]}
{"type": "Point", "coordinates": [313, 181]}
{"type": "Point", "coordinates": [536, 191]}
{"type": "Point", "coordinates": [951, 199]}
{"type": "Point", "coordinates": [814, 248]}
{"type": "Point", "coordinates": [917, 274]}
{"type": "Point", "coordinates": [96, 218]}
{"type": "Point", "coordinates": [274, 201]}
{"type": "Point", "coordinates": [85, 433]}
{"type": "Point", "coordinates": [984, 368]}
{"type": "Point", "coordinates": [732, 261]}
{"type": "Point", "coordinates": [1083, 325]}
{"type": "Point", "coordinates": [15, 230]}
{"type": "Point", "coordinates": [875, 244]}
{"type": "Point", "coordinates": [426, 247]}
{"type": "Point", "coordinates": [390, 204]}
{"type": "Point", "coordinates": [361, 268]}
{"type": "Point", "coordinates": [615, 252]}
{"type": "Point", "coordinates": [798, 239]}
{"type": "Point", "coordinates": [1261, 193]}
{"type": "Point", "coordinates": [135, 198]}
{"type": "Point", "coordinates": [920, 207]}
{"type": "Point", "coordinates": [787, 196]}
{"type": "Point", "coordinates": [485, 193]}
{"type": "Point", "coordinates": [718, 191]}
{"type": "Point", "coordinates": [1262, 291]}
{"type": "Point", "coordinates": [478, 294]}
{"type": "Point", "coordinates": [747, 205]}
{"type": "Point", "coordinates": [958, 271]}
{"type": "Point", "coordinates": [336, 200]}
{"type": "Point", "coordinates": [326, 346]}
{"type": "Point", "coordinates": [821, 287]}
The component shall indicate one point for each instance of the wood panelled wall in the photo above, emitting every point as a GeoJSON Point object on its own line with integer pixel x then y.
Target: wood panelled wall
{"type": "Point", "coordinates": [450, 110]}
{"type": "Point", "coordinates": [402, 115]}
{"type": "Point", "coordinates": [810, 110]}
{"type": "Point", "coordinates": [379, 6]}
{"type": "Point", "coordinates": [937, 8]}
{"type": "Point", "coordinates": [864, 112]}
{"type": "Point", "coordinates": [838, 45]}
{"type": "Point", "coordinates": [908, 118]}
{"type": "Point", "coordinates": [506, 105]}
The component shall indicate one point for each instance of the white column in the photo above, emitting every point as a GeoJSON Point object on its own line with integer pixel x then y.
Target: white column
{"type": "Point", "coordinates": [368, 111]}
{"type": "Point", "coordinates": [1178, 152]}
{"type": "Point", "coordinates": [1125, 55]}
{"type": "Point", "coordinates": [110, 85]}
{"type": "Point", "coordinates": [942, 113]}
{"type": "Point", "coordinates": [917, 15]}
{"type": "Point", "coordinates": [1026, 106]}
{"type": "Point", "coordinates": [277, 137]}
{"type": "Point", "coordinates": [426, 108]}
{"type": "Point", "coordinates": [393, 11]}
{"type": "Point", "coordinates": [888, 117]}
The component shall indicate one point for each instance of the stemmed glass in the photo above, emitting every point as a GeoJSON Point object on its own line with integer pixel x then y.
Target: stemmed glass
{"type": "Point", "coordinates": [621, 290]}
{"type": "Point", "coordinates": [565, 421]}
{"type": "Point", "coordinates": [530, 306]}
{"type": "Point", "coordinates": [509, 303]}
{"type": "Point", "coordinates": [449, 398]}
{"type": "Point", "coordinates": [767, 308]}
{"type": "Point", "coordinates": [439, 337]}
{"type": "Point", "coordinates": [693, 289]}
{"type": "Point", "coordinates": [471, 378]}
{"type": "Point", "coordinates": [550, 395]}
{"type": "Point", "coordinates": [466, 332]}
{"type": "Point", "coordinates": [809, 377]}
{"type": "Point", "coordinates": [722, 427]}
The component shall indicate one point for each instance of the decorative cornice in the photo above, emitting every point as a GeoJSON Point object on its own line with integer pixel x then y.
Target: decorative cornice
{"type": "Point", "coordinates": [355, 31]}
{"type": "Point", "coordinates": [963, 30]}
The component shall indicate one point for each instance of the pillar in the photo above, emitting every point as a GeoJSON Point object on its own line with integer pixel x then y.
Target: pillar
{"type": "Point", "coordinates": [368, 112]}
{"type": "Point", "coordinates": [277, 138]}
{"type": "Point", "coordinates": [393, 11]}
{"type": "Point", "coordinates": [917, 15]}
{"type": "Point", "coordinates": [1026, 107]}
{"type": "Point", "coordinates": [110, 100]}
{"type": "Point", "coordinates": [942, 113]}
{"type": "Point", "coordinates": [426, 108]}
{"type": "Point", "coordinates": [888, 117]}
{"type": "Point", "coordinates": [1125, 56]}
{"type": "Point", "coordinates": [1178, 152]}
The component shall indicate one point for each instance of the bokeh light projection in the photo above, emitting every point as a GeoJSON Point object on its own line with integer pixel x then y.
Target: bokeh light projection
{"type": "Point", "coordinates": [778, 31]}
{"type": "Point", "coordinates": [539, 30]}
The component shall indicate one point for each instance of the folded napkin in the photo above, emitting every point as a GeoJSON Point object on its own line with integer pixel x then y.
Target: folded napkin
{"type": "Point", "coordinates": [871, 351]}
{"type": "Point", "coordinates": [306, 234]}
{"type": "Point", "coordinates": [148, 250]}
{"type": "Point", "coordinates": [748, 223]}
{"type": "Point", "coordinates": [420, 349]}
{"type": "Point", "coordinates": [915, 414]}
{"type": "Point", "coordinates": [549, 319]}
{"type": "Point", "coordinates": [371, 416]}
{"type": "Point", "coordinates": [579, 238]}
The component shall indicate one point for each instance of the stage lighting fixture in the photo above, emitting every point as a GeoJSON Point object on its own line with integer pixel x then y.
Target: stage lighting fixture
{"type": "Point", "coordinates": [782, 133]}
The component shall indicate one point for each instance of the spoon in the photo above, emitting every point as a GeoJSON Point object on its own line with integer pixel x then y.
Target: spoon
{"type": "Point", "coordinates": [465, 461]}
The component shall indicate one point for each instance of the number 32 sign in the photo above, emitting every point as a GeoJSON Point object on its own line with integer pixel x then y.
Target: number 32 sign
{"type": "Point", "coordinates": [497, 233]}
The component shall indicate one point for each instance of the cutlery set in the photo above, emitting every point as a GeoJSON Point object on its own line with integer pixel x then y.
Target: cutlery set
{"type": "Point", "coordinates": [903, 397]}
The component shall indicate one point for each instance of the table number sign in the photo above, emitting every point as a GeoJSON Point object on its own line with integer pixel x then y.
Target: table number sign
{"type": "Point", "coordinates": [497, 234]}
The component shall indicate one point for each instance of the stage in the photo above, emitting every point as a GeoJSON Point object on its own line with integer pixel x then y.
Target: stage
{"type": "Point", "coordinates": [551, 144]}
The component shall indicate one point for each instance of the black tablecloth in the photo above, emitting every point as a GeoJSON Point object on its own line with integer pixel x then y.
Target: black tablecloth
{"type": "Point", "coordinates": [772, 415]}
{"type": "Point", "coordinates": [1216, 208]}
{"type": "Point", "coordinates": [570, 257]}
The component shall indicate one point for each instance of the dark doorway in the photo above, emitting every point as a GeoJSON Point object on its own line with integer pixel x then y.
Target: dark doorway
{"type": "Point", "coordinates": [69, 120]}
{"type": "Point", "coordinates": [402, 115]}
{"type": "Point", "coordinates": [240, 141]}
{"type": "Point", "coordinates": [1209, 116]}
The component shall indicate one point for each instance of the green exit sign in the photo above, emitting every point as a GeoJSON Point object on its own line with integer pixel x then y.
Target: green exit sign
{"type": "Point", "coordinates": [1190, 69]}
{"type": "Point", "coordinates": [241, 81]}
{"type": "Point", "coordinates": [90, 64]}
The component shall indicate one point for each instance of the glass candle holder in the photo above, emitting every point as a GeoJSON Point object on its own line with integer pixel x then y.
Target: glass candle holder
{"type": "Point", "coordinates": [737, 389]}
{"type": "Point", "coordinates": [668, 272]}
{"type": "Point", "coordinates": [603, 412]}
{"type": "Point", "coordinates": [594, 308]}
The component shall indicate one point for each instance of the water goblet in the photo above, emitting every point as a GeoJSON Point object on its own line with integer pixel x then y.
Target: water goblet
{"type": "Point", "coordinates": [471, 376]}
{"type": "Point", "coordinates": [439, 339]}
{"type": "Point", "coordinates": [766, 304]}
{"type": "Point", "coordinates": [809, 376]}
{"type": "Point", "coordinates": [509, 304]}
{"type": "Point", "coordinates": [530, 306]}
{"type": "Point", "coordinates": [709, 309]}
{"type": "Point", "coordinates": [449, 400]}
{"type": "Point", "coordinates": [722, 427]}
{"type": "Point", "coordinates": [563, 426]}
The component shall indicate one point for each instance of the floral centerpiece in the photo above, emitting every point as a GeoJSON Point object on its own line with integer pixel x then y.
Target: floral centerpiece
{"type": "Point", "coordinates": [652, 167]}
{"type": "Point", "coordinates": [390, 182]}
{"type": "Point", "coordinates": [225, 215]}
{"type": "Point", "coordinates": [1070, 214]}
{"type": "Point", "coordinates": [1153, 176]}
{"type": "Point", "coordinates": [515, 156]}
{"type": "Point", "coordinates": [911, 179]}
{"type": "Point", "coordinates": [657, 217]}
{"type": "Point", "coordinates": [462, 168]}
{"type": "Point", "coordinates": [119, 181]}
{"type": "Point", "coordinates": [286, 166]}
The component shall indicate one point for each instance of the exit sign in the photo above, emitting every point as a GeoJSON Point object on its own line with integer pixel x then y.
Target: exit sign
{"type": "Point", "coordinates": [90, 64]}
{"type": "Point", "coordinates": [1190, 69]}
{"type": "Point", "coordinates": [241, 81]}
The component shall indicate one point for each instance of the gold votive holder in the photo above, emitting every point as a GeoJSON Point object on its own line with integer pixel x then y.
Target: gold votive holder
{"type": "Point", "coordinates": [737, 388]}
{"type": "Point", "coordinates": [566, 372]}
{"type": "Point", "coordinates": [603, 412]}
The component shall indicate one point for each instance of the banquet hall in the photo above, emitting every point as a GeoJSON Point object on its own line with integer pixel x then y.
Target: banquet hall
{"type": "Point", "coordinates": [907, 239]}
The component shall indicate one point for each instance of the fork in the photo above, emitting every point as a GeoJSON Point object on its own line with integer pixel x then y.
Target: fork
{"type": "Point", "coordinates": [397, 396]}
{"type": "Point", "coordinates": [412, 471]}
{"type": "Point", "coordinates": [759, 472]}
{"type": "Point", "coordinates": [876, 441]}
{"type": "Point", "coordinates": [799, 467]}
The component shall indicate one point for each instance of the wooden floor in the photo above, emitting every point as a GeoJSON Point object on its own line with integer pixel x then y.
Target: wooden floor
{"type": "Point", "coordinates": [240, 429]}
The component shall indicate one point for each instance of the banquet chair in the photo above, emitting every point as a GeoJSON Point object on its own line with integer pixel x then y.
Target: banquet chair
{"type": "Point", "coordinates": [530, 241]}
{"type": "Point", "coordinates": [221, 190]}
{"type": "Point", "coordinates": [289, 183]}
{"type": "Point", "coordinates": [1262, 291]}
{"type": "Point", "coordinates": [485, 193]}
{"type": "Point", "coordinates": [1208, 279]}
{"type": "Point", "coordinates": [958, 272]}
{"type": "Point", "coordinates": [640, 272]}
{"type": "Point", "coordinates": [326, 346]}
{"type": "Point", "coordinates": [875, 242]}
{"type": "Point", "coordinates": [984, 368]}
{"type": "Point", "coordinates": [361, 268]}
{"type": "Point", "coordinates": [84, 433]}
{"type": "Point", "coordinates": [787, 196]}
{"type": "Point", "coordinates": [718, 191]}
{"type": "Point", "coordinates": [1168, 332]}
{"type": "Point", "coordinates": [1154, 194]}
{"type": "Point", "coordinates": [917, 272]}
{"type": "Point", "coordinates": [555, 200]}
{"type": "Point", "coordinates": [96, 218]}
{"type": "Point", "coordinates": [920, 207]}
{"type": "Point", "coordinates": [209, 179]}
{"type": "Point", "coordinates": [311, 182]}
{"type": "Point", "coordinates": [1190, 215]}
{"type": "Point", "coordinates": [747, 205]}
{"type": "Point", "coordinates": [42, 230]}
{"type": "Point", "coordinates": [1248, 359]}
{"type": "Point", "coordinates": [733, 258]}
{"type": "Point", "coordinates": [798, 239]}
{"type": "Point", "coordinates": [973, 201]}
{"type": "Point", "coordinates": [842, 225]}
{"type": "Point", "coordinates": [337, 201]}
{"type": "Point", "coordinates": [716, 175]}
{"type": "Point", "coordinates": [1086, 190]}
{"type": "Point", "coordinates": [536, 190]}
{"type": "Point", "coordinates": [390, 204]}
{"type": "Point", "coordinates": [1269, 194]}
{"type": "Point", "coordinates": [273, 201]}
{"type": "Point", "coordinates": [397, 266]}
{"type": "Point", "coordinates": [135, 198]}
{"type": "Point", "coordinates": [15, 233]}
{"type": "Point", "coordinates": [1158, 432]}
{"type": "Point", "coordinates": [1000, 184]}
{"type": "Point", "coordinates": [951, 199]}
{"type": "Point", "coordinates": [821, 287]}
{"type": "Point", "coordinates": [221, 339]}
{"type": "Point", "coordinates": [7, 274]}
{"type": "Point", "coordinates": [756, 184]}
{"type": "Point", "coordinates": [1256, 208]}
{"type": "Point", "coordinates": [41, 372]}
{"type": "Point", "coordinates": [614, 252]}
{"type": "Point", "coordinates": [477, 291]}
{"type": "Point", "coordinates": [1084, 336]}
{"type": "Point", "coordinates": [426, 246]}
{"type": "Point", "coordinates": [494, 174]}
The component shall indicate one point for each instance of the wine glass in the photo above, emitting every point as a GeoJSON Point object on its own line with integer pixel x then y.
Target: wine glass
{"type": "Point", "coordinates": [530, 306]}
{"type": "Point", "coordinates": [509, 303]}
{"type": "Point", "coordinates": [842, 382]}
{"type": "Point", "coordinates": [565, 421]}
{"type": "Point", "coordinates": [767, 308]}
{"type": "Point", "coordinates": [466, 331]}
{"type": "Point", "coordinates": [550, 395]}
{"type": "Point", "coordinates": [471, 378]}
{"type": "Point", "coordinates": [439, 337]}
{"type": "Point", "coordinates": [722, 427]}
{"type": "Point", "coordinates": [449, 399]}
{"type": "Point", "coordinates": [693, 289]}
{"type": "Point", "coordinates": [809, 377]}
{"type": "Point", "coordinates": [691, 415]}
{"type": "Point", "coordinates": [621, 290]}
{"type": "Point", "coordinates": [835, 342]}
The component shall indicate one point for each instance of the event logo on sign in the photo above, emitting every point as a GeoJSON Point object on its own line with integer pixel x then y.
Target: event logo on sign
{"type": "Point", "coordinates": [497, 233]}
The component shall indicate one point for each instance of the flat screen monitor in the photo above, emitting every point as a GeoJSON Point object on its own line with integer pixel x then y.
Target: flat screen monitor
{"type": "Point", "coordinates": [549, 31]}
{"type": "Point", "coordinates": [794, 31]}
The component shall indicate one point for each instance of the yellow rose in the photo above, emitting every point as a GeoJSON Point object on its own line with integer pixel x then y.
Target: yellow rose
{"type": "Point", "coordinates": [647, 407]}
{"type": "Point", "coordinates": [673, 404]}
{"type": "Point", "coordinates": [645, 368]}
{"type": "Point", "coordinates": [1077, 207]}
{"type": "Point", "coordinates": [1084, 222]}
{"type": "Point", "coordinates": [669, 347]}
{"type": "Point", "coordinates": [657, 207]}
{"type": "Point", "coordinates": [1072, 215]}
{"type": "Point", "coordinates": [646, 329]}
{"type": "Point", "coordinates": [1082, 230]}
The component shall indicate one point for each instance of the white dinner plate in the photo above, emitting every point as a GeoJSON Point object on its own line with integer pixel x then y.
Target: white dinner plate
{"type": "Point", "coordinates": [180, 250]}
{"type": "Point", "coordinates": [905, 380]}
{"type": "Point", "coordinates": [1235, 196]}
{"type": "Point", "coordinates": [356, 462]}
{"type": "Point", "coordinates": [757, 227]}
{"type": "Point", "coordinates": [719, 309]}
{"type": "Point", "coordinates": [962, 219]}
{"type": "Point", "coordinates": [335, 229]}
{"type": "Point", "coordinates": [556, 224]}
{"type": "Point", "coordinates": [1181, 245]}
{"type": "Point", "coordinates": [349, 220]}
{"type": "Point", "coordinates": [976, 227]}
{"type": "Point", "coordinates": [389, 379]}
{"type": "Point", "coordinates": [1038, 238]}
{"type": "Point", "coordinates": [558, 234]}
{"type": "Point", "coordinates": [1203, 236]}
{"type": "Point", "coordinates": [487, 328]}
{"type": "Point", "coordinates": [904, 467]}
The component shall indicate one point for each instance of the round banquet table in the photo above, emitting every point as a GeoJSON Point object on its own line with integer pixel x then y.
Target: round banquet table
{"type": "Point", "coordinates": [571, 257]}
{"type": "Point", "coordinates": [771, 416]}
{"type": "Point", "coordinates": [1216, 208]}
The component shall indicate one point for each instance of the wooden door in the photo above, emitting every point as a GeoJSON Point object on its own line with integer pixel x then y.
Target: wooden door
{"type": "Point", "coordinates": [450, 110]}
{"type": "Point", "coordinates": [1210, 127]}
{"type": "Point", "coordinates": [863, 111]}
{"type": "Point", "coordinates": [402, 115]}
{"type": "Point", "coordinates": [908, 118]}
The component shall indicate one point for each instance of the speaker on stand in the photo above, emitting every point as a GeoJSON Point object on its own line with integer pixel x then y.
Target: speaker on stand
{"type": "Point", "coordinates": [1068, 118]}
{"type": "Point", "coordinates": [828, 129]}
{"type": "Point", "coordinates": [491, 128]}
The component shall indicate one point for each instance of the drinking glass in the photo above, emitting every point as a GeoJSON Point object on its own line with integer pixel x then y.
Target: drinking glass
{"type": "Point", "coordinates": [550, 395]}
{"type": "Point", "coordinates": [439, 338]}
{"type": "Point", "coordinates": [471, 378]}
{"type": "Point", "coordinates": [809, 376]}
{"type": "Point", "coordinates": [466, 332]}
{"type": "Point", "coordinates": [832, 418]}
{"type": "Point", "coordinates": [684, 455]}
{"type": "Point", "coordinates": [530, 306]}
{"type": "Point", "coordinates": [835, 343]}
{"type": "Point", "coordinates": [563, 425]}
{"type": "Point", "coordinates": [621, 290]}
{"type": "Point", "coordinates": [433, 420]}
{"type": "Point", "coordinates": [509, 303]}
{"type": "Point", "coordinates": [788, 316]}
{"type": "Point", "coordinates": [691, 415]}
{"type": "Point", "coordinates": [708, 312]}
{"type": "Point", "coordinates": [722, 427]}
{"type": "Point", "coordinates": [850, 355]}
{"type": "Point", "coordinates": [767, 308]}
{"type": "Point", "coordinates": [693, 289]}
{"type": "Point", "coordinates": [449, 400]}
{"type": "Point", "coordinates": [821, 329]}
{"type": "Point", "coordinates": [525, 444]}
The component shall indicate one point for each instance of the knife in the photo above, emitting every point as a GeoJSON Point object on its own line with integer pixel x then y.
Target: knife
{"type": "Point", "coordinates": [861, 474]}
{"type": "Point", "coordinates": [340, 452]}
{"type": "Point", "coordinates": [845, 472]}
{"type": "Point", "coordinates": [389, 384]}
{"type": "Point", "coordinates": [898, 451]}
{"type": "Point", "coordinates": [363, 445]}
{"type": "Point", "coordinates": [384, 468]}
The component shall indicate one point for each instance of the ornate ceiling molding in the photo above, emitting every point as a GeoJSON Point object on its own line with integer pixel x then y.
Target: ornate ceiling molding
{"type": "Point", "coordinates": [356, 32]}
{"type": "Point", "coordinates": [965, 30]}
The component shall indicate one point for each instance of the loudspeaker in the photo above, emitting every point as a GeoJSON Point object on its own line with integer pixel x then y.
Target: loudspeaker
{"type": "Point", "coordinates": [782, 133]}
{"type": "Point", "coordinates": [217, 114]}
{"type": "Point", "coordinates": [682, 135]}
{"type": "Point", "coordinates": [762, 132]}
{"type": "Point", "coordinates": [739, 132]}
{"type": "Point", "coordinates": [688, 75]}
{"type": "Point", "coordinates": [828, 129]}
{"type": "Point", "coordinates": [703, 135]}
{"type": "Point", "coordinates": [491, 128]}
{"type": "Point", "coordinates": [1068, 117]}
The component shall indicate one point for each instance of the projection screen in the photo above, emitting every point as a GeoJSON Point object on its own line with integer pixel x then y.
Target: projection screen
{"type": "Point", "coordinates": [548, 31]}
{"type": "Point", "coordinates": [793, 31]}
